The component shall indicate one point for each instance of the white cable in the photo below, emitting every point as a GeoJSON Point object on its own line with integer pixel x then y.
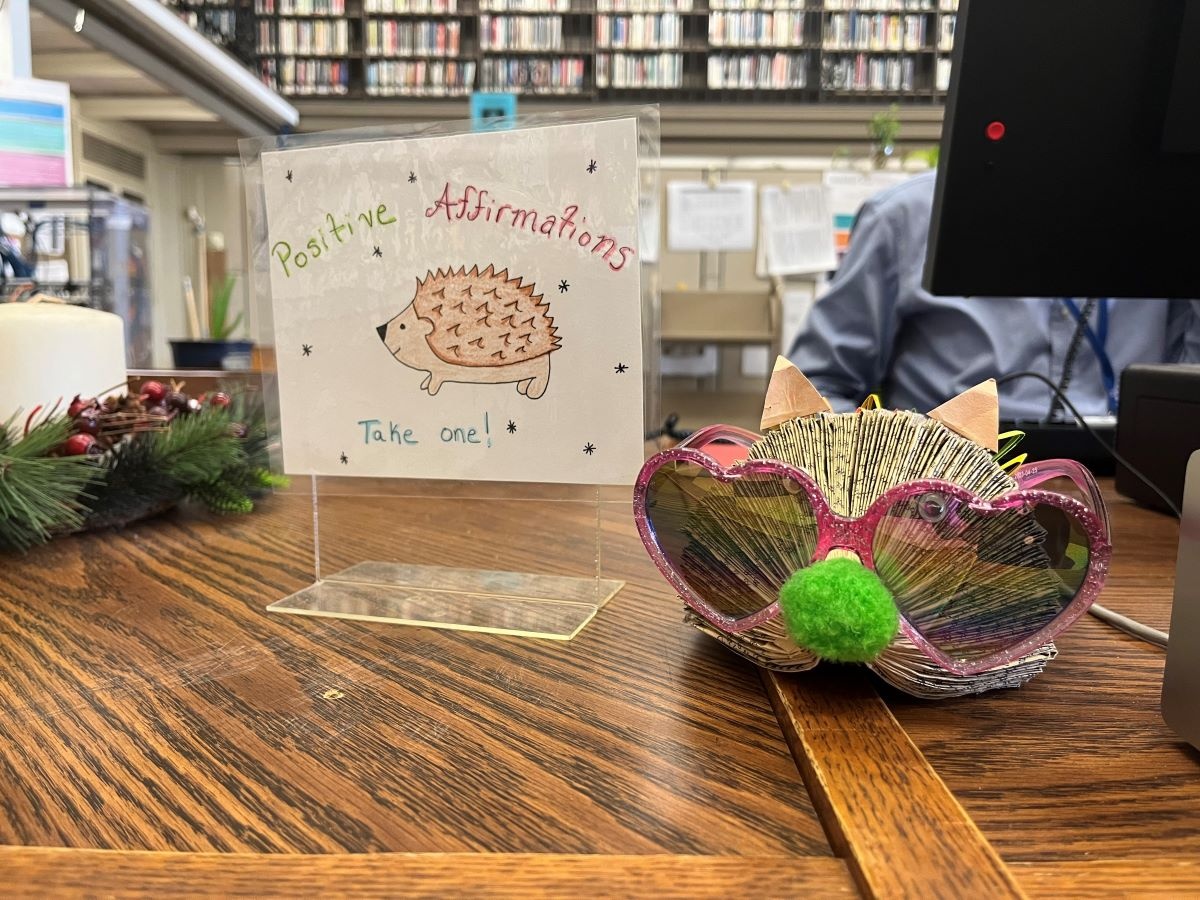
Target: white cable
{"type": "Point", "coordinates": [1129, 626]}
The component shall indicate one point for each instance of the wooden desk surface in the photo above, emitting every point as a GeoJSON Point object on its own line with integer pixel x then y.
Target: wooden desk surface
{"type": "Point", "coordinates": [152, 709]}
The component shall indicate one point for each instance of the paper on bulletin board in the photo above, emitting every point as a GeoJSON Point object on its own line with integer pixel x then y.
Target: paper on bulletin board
{"type": "Point", "coordinates": [847, 191]}
{"type": "Point", "coordinates": [704, 217]}
{"type": "Point", "coordinates": [461, 306]}
{"type": "Point", "coordinates": [796, 232]}
{"type": "Point", "coordinates": [35, 133]}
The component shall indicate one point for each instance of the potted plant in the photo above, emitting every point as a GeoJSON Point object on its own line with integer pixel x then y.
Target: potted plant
{"type": "Point", "coordinates": [884, 128]}
{"type": "Point", "coordinates": [221, 350]}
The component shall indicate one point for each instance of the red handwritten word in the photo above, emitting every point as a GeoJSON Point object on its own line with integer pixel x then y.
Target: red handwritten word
{"type": "Point", "coordinates": [473, 204]}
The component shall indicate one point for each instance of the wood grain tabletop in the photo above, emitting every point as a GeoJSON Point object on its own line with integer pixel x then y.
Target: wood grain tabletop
{"type": "Point", "coordinates": [162, 733]}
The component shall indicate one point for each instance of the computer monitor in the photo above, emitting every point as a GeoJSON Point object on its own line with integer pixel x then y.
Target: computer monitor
{"type": "Point", "coordinates": [1070, 158]}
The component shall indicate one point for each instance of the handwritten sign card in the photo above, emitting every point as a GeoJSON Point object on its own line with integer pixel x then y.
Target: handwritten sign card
{"type": "Point", "coordinates": [460, 306]}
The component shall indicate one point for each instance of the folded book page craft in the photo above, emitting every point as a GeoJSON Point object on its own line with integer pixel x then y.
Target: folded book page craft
{"type": "Point", "coordinates": [888, 538]}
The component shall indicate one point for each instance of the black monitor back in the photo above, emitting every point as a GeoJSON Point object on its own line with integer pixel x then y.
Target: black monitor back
{"type": "Point", "coordinates": [1094, 188]}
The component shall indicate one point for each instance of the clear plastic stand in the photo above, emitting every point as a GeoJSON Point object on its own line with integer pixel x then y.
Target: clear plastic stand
{"type": "Point", "coordinates": [516, 558]}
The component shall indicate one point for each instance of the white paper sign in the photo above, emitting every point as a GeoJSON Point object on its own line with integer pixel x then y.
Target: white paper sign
{"type": "Point", "coordinates": [462, 306]}
{"type": "Point", "coordinates": [710, 217]}
{"type": "Point", "coordinates": [847, 191]}
{"type": "Point", "coordinates": [797, 230]}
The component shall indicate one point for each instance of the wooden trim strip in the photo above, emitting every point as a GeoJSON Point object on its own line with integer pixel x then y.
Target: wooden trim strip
{"type": "Point", "coordinates": [901, 831]}
{"type": "Point", "coordinates": [1097, 879]}
{"type": "Point", "coordinates": [64, 872]}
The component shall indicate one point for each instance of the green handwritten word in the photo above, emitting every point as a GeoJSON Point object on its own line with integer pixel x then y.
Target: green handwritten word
{"type": "Point", "coordinates": [373, 433]}
{"type": "Point", "coordinates": [465, 435]}
{"type": "Point", "coordinates": [330, 233]}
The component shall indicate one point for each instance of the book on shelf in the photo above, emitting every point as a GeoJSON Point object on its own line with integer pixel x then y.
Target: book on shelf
{"type": "Point", "coordinates": [641, 70]}
{"type": "Point", "coordinates": [874, 31]}
{"type": "Point", "coordinates": [427, 7]}
{"type": "Point", "coordinates": [946, 26]}
{"type": "Point", "coordinates": [780, 28]}
{"type": "Point", "coordinates": [942, 74]}
{"type": "Point", "coordinates": [300, 7]}
{"type": "Point", "coordinates": [520, 32]}
{"type": "Point", "coordinates": [758, 71]}
{"type": "Point", "coordinates": [302, 37]}
{"type": "Point", "coordinates": [419, 78]}
{"type": "Point", "coordinates": [864, 72]}
{"type": "Point", "coordinates": [306, 77]}
{"type": "Point", "coordinates": [651, 31]}
{"type": "Point", "coordinates": [526, 75]}
{"type": "Point", "coordinates": [413, 37]}
{"type": "Point", "coordinates": [948, 5]}
{"type": "Point", "coordinates": [217, 24]}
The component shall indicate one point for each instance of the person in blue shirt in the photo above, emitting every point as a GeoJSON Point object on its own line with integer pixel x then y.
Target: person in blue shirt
{"type": "Point", "coordinates": [878, 329]}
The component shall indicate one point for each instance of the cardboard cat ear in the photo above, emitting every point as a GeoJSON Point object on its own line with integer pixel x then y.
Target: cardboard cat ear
{"type": "Point", "coordinates": [790, 396]}
{"type": "Point", "coordinates": [974, 414]}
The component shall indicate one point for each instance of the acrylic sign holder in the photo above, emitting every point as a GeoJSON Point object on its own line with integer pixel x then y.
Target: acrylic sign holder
{"type": "Point", "coordinates": [449, 553]}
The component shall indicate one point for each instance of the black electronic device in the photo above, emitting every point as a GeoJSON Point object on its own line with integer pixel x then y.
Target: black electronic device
{"type": "Point", "coordinates": [1158, 428]}
{"type": "Point", "coordinates": [1070, 157]}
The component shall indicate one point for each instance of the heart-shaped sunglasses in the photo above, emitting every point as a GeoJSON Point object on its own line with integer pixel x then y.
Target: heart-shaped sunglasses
{"type": "Point", "coordinates": [977, 583]}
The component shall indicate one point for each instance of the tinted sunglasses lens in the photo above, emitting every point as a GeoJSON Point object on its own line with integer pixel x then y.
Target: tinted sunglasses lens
{"type": "Point", "coordinates": [975, 583]}
{"type": "Point", "coordinates": [734, 542]}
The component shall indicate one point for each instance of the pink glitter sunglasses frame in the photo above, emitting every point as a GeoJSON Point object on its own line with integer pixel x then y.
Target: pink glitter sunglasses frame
{"type": "Point", "coordinates": [839, 532]}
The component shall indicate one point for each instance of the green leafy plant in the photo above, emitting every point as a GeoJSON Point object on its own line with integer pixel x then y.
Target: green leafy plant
{"type": "Point", "coordinates": [884, 128]}
{"type": "Point", "coordinates": [220, 328]}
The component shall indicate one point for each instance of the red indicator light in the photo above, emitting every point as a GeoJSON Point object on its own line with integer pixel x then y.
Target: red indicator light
{"type": "Point", "coordinates": [995, 131]}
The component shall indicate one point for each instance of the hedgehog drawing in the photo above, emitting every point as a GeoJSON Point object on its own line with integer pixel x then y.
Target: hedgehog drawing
{"type": "Point", "coordinates": [479, 327]}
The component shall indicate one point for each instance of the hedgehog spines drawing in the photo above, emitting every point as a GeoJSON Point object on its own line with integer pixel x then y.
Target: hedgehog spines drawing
{"type": "Point", "coordinates": [475, 326]}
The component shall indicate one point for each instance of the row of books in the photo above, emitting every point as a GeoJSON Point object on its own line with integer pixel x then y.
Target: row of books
{"type": "Point", "coordinates": [644, 5]}
{"type": "Point", "coordinates": [885, 5]}
{"type": "Point", "coordinates": [946, 26]}
{"type": "Point", "coordinates": [761, 5]}
{"type": "Point", "coordinates": [861, 72]}
{"type": "Point", "coordinates": [858, 31]}
{"type": "Point", "coordinates": [318, 37]}
{"type": "Point", "coordinates": [645, 70]}
{"type": "Point", "coordinates": [756, 29]}
{"type": "Point", "coordinates": [306, 77]}
{"type": "Point", "coordinates": [525, 5]}
{"type": "Point", "coordinates": [564, 75]}
{"type": "Point", "coordinates": [217, 24]}
{"type": "Point", "coordinates": [387, 7]}
{"type": "Point", "coordinates": [639, 32]}
{"type": "Point", "coordinates": [300, 7]}
{"type": "Point", "coordinates": [419, 78]}
{"type": "Point", "coordinates": [948, 5]}
{"type": "Point", "coordinates": [406, 37]}
{"type": "Point", "coordinates": [758, 71]}
{"type": "Point", "coordinates": [520, 32]}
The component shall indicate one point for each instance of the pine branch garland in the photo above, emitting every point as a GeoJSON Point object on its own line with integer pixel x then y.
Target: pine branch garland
{"type": "Point", "coordinates": [40, 494]}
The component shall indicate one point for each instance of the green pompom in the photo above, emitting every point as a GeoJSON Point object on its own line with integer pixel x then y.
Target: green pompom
{"type": "Point", "coordinates": [840, 610]}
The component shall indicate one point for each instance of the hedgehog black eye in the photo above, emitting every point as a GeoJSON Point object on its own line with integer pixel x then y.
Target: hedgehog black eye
{"type": "Point", "coordinates": [401, 326]}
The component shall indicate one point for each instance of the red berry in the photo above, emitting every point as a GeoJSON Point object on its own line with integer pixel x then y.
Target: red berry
{"type": "Point", "coordinates": [87, 424]}
{"type": "Point", "coordinates": [154, 391]}
{"type": "Point", "coordinates": [78, 444]}
{"type": "Point", "coordinates": [220, 400]}
{"type": "Point", "coordinates": [79, 404]}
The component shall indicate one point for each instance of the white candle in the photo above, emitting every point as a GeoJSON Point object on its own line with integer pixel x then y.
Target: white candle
{"type": "Point", "coordinates": [51, 352]}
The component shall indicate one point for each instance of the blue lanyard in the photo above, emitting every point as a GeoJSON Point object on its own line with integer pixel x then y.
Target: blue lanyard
{"type": "Point", "coordinates": [1098, 338]}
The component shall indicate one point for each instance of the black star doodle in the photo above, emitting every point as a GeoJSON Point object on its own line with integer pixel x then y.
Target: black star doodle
{"type": "Point", "coordinates": [589, 448]}
{"type": "Point", "coordinates": [620, 368]}
{"type": "Point", "coordinates": [289, 175]}
{"type": "Point", "coordinates": [343, 459]}
{"type": "Point", "coordinates": [412, 177]}
{"type": "Point", "coordinates": [512, 427]}
{"type": "Point", "coordinates": [306, 349]}
{"type": "Point", "coordinates": [563, 286]}
{"type": "Point", "coordinates": [378, 253]}
{"type": "Point", "coordinates": [591, 167]}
